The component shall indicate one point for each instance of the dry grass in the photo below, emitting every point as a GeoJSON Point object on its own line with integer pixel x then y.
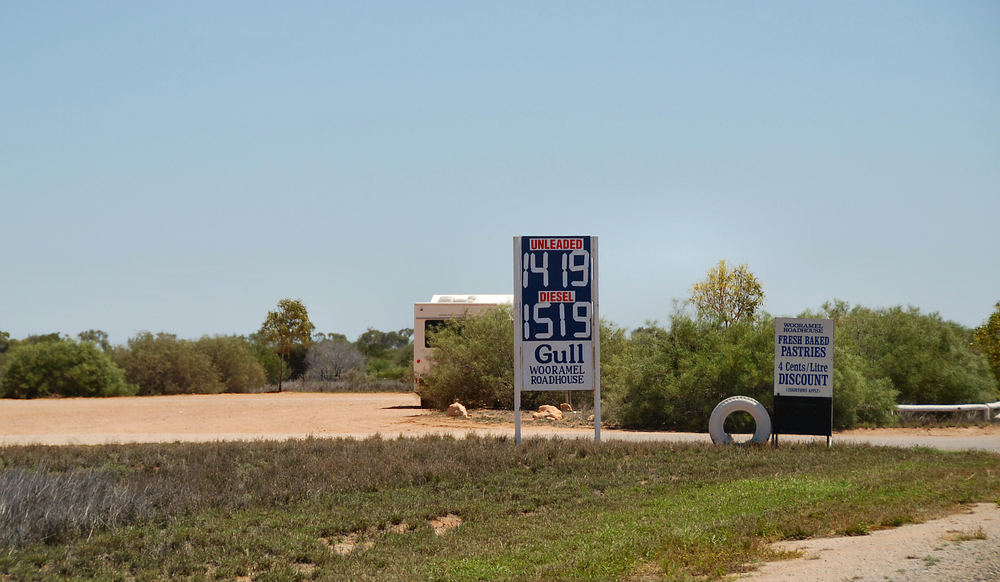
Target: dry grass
{"type": "Point", "coordinates": [549, 509]}
{"type": "Point", "coordinates": [41, 506]}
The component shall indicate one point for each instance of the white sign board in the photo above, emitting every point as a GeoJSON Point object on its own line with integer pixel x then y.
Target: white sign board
{"type": "Point", "coordinates": [557, 366]}
{"type": "Point", "coordinates": [803, 357]}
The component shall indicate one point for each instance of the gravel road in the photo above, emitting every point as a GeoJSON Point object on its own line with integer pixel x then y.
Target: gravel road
{"type": "Point", "coordinates": [959, 548]}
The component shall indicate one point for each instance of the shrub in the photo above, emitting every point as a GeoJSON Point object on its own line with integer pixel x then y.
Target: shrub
{"type": "Point", "coordinates": [859, 396]}
{"type": "Point", "coordinates": [927, 360]}
{"type": "Point", "coordinates": [234, 360]}
{"type": "Point", "coordinates": [269, 361]}
{"type": "Point", "coordinates": [674, 378]}
{"type": "Point", "coordinates": [677, 376]}
{"type": "Point", "coordinates": [473, 362]}
{"type": "Point", "coordinates": [61, 367]}
{"type": "Point", "coordinates": [389, 354]}
{"type": "Point", "coordinates": [986, 340]}
{"type": "Point", "coordinates": [162, 364]}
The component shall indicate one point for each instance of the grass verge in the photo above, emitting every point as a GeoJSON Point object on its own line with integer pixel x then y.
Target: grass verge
{"type": "Point", "coordinates": [548, 510]}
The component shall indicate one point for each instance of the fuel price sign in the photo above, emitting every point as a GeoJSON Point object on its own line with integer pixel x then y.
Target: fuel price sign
{"type": "Point", "coordinates": [556, 311]}
{"type": "Point", "coordinates": [556, 325]}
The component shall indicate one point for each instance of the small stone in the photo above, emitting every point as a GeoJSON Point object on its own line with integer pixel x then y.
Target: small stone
{"type": "Point", "coordinates": [548, 411]}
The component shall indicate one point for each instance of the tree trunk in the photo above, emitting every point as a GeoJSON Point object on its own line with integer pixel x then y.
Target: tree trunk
{"type": "Point", "coordinates": [281, 370]}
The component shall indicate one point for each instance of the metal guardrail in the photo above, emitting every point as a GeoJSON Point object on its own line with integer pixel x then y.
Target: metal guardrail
{"type": "Point", "coordinates": [986, 409]}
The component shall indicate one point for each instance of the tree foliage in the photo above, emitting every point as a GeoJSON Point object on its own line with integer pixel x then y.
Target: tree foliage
{"type": "Point", "coordinates": [926, 359]}
{"type": "Point", "coordinates": [162, 364]}
{"type": "Point", "coordinates": [285, 328]}
{"type": "Point", "coordinates": [61, 367]}
{"type": "Point", "coordinates": [676, 376]}
{"type": "Point", "coordinates": [95, 336]}
{"type": "Point", "coordinates": [389, 354]}
{"type": "Point", "coordinates": [473, 362]}
{"type": "Point", "coordinates": [672, 378]}
{"type": "Point", "coordinates": [234, 360]}
{"type": "Point", "coordinates": [374, 343]}
{"type": "Point", "coordinates": [986, 339]}
{"type": "Point", "coordinates": [727, 295]}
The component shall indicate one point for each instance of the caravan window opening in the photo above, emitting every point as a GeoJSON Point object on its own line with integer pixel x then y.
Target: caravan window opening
{"type": "Point", "coordinates": [432, 326]}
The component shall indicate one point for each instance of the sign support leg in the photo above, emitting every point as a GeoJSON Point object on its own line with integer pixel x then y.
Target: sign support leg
{"type": "Point", "coordinates": [517, 416]}
{"type": "Point", "coordinates": [597, 414]}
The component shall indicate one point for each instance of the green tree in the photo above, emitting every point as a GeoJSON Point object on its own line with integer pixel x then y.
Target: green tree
{"type": "Point", "coordinates": [285, 328]}
{"type": "Point", "coordinates": [61, 367]}
{"type": "Point", "coordinates": [95, 336]}
{"type": "Point", "coordinates": [234, 360]}
{"type": "Point", "coordinates": [40, 338]}
{"type": "Point", "coordinates": [5, 345]}
{"type": "Point", "coordinates": [986, 339]}
{"type": "Point", "coordinates": [927, 359]}
{"type": "Point", "coordinates": [389, 354]}
{"type": "Point", "coordinates": [162, 364]}
{"type": "Point", "coordinates": [727, 295]}
{"type": "Point", "coordinates": [374, 343]}
{"type": "Point", "coordinates": [473, 362]}
{"type": "Point", "coordinates": [678, 375]}
{"type": "Point", "coordinates": [268, 359]}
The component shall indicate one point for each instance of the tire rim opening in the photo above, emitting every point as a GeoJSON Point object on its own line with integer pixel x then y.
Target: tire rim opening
{"type": "Point", "coordinates": [740, 426]}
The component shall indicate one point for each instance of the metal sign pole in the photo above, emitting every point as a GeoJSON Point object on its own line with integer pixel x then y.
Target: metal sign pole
{"type": "Point", "coordinates": [597, 342]}
{"type": "Point", "coordinates": [517, 340]}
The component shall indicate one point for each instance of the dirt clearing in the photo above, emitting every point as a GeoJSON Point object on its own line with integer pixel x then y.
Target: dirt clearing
{"type": "Point", "coordinates": [206, 417]}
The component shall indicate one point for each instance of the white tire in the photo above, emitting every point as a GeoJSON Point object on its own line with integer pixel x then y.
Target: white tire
{"type": "Point", "coordinates": [739, 404]}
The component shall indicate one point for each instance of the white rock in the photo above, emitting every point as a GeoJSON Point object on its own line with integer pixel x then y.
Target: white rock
{"type": "Point", "coordinates": [457, 409]}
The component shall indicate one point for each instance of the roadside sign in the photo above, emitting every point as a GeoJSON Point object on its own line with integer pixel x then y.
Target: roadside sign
{"type": "Point", "coordinates": [803, 376]}
{"type": "Point", "coordinates": [556, 323]}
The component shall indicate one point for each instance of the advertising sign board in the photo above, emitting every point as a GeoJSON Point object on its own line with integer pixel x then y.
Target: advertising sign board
{"type": "Point", "coordinates": [556, 327]}
{"type": "Point", "coordinates": [803, 357]}
{"type": "Point", "coordinates": [803, 376]}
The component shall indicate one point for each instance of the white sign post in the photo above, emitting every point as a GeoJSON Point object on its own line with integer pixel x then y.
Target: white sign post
{"type": "Point", "coordinates": [556, 322]}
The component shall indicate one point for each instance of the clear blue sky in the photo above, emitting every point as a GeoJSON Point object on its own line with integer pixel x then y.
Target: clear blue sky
{"type": "Point", "coordinates": [182, 166]}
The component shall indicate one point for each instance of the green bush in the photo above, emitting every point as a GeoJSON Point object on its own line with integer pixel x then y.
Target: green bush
{"type": "Point", "coordinates": [473, 362]}
{"type": "Point", "coordinates": [677, 376]}
{"type": "Point", "coordinates": [986, 340]}
{"type": "Point", "coordinates": [268, 360]}
{"type": "Point", "coordinates": [389, 354]}
{"type": "Point", "coordinates": [61, 367]}
{"type": "Point", "coordinates": [859, 396]}
{"type": "Point", "coordinates": [673, 378]}
{"type": "Point", "coordinates": [233, 358]}
{"type": "Point", "coordinates": [926, 359]}
{"type": "Point", "coordinates": [162, 364]}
